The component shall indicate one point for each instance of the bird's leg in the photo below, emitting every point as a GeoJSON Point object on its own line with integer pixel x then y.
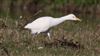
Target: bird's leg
{"type": "Point", "coordinates": [49, 35]}
{"type": "Point", "coordinates": [34, 35]}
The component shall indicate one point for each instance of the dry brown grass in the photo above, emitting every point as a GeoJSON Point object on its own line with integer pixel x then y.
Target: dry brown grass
{"type": "Point", "coordinates": [81, 39]}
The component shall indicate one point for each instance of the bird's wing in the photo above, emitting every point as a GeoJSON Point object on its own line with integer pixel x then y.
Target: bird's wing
{"type": "Point", "coordinates": [40, 25]}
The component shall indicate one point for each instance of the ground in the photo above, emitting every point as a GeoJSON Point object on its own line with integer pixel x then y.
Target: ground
{"type": "Point", "coordinates": [68, 39]}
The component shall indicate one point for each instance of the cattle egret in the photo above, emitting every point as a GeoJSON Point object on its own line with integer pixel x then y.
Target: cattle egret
{"type": "Point", "coordinates": [43, 24]}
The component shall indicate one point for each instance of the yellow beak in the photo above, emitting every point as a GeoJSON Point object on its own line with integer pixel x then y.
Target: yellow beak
{"type": "Point", "coordinates": [78, 19]}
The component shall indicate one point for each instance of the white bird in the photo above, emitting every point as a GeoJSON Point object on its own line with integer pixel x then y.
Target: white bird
{"type": "Point", "coordinates": [43, 24]}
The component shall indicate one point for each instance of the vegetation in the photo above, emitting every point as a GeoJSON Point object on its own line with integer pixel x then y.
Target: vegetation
{"type": "Point", "coordinates": [69, 38]}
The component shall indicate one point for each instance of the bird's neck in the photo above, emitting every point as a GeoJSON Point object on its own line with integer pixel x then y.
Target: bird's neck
{"type": "Point", "coordinates": [60, 20]}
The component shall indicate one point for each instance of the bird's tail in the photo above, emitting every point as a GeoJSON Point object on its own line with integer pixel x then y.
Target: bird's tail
{"type": "Point", "coordinates": [27, 26]}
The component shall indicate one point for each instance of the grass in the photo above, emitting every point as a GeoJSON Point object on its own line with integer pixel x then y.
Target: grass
{"type": "Point", "coordinates": [19, 42]}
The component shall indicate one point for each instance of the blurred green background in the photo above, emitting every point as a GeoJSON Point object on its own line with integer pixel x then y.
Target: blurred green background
{"type": "Point", "coordinates": [32, 9]}
{"type": "Point", "coordinates": [16, 8]}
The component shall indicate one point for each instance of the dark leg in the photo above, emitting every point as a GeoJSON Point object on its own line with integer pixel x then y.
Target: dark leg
{"type": "Point", "coordinates": [48, 34]}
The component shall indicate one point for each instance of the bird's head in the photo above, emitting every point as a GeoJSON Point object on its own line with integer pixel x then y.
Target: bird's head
{"type": "Point", "coordinates": [72, 17]}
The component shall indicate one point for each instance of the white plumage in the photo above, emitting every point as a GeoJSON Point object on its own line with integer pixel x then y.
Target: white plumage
{"type": "Point", "coordinates": [43, 24]}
